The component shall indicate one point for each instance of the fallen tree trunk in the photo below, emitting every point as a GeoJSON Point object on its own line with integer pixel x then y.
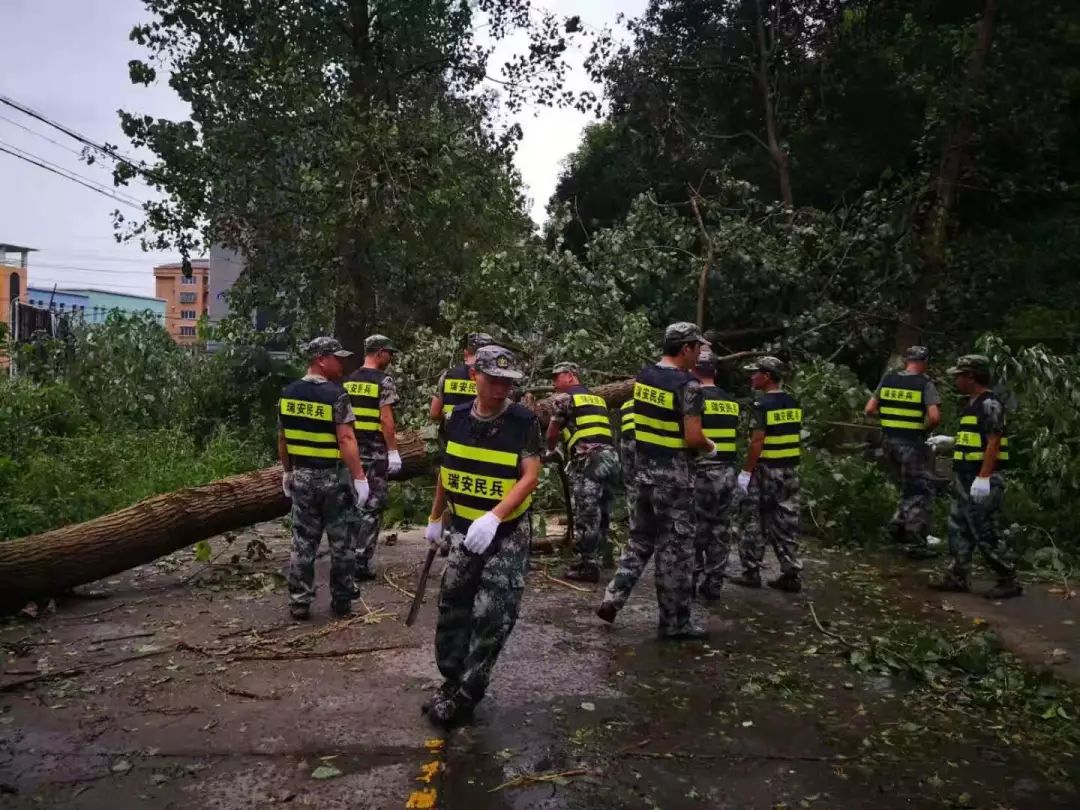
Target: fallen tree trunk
{"type": "Point", "coordinates": [51, 562]}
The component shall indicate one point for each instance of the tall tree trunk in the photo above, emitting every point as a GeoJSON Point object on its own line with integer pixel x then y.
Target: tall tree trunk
{"type": "Point", "coordinates": [909, 330]}
{"type": "Point", "coordinates": [779, 157]}
{"type": "Point", "coordinates": [706, 265]}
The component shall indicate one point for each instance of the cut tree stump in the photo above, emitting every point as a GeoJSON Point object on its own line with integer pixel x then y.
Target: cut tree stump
{"type": "Point", "coordinates": [49, 563]}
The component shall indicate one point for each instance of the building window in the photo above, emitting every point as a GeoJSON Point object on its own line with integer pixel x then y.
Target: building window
{"type": "Point", "coordinates": [187, 314]}
{"type": "Point", "coordinates": [187, 331]}
{"type": "Point", "coordinates": [187, 298]}
{"type": "Point", "coordinates": [189, 279]}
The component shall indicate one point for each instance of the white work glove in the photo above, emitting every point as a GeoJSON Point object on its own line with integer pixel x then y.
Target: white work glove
{"type": "Point", "coordinates": [481, 533]}
{"type": "Point", "coordinates": [744, 481]}
{"type": "Point", "coordinates": [980, 489]}
{"type": "Point", "coordinates": [363, 491]}
{"type": "Point", "coordinates": [712, 448]}
{"type": "Point", "coordinates": [393, 463]}
{"type": "Point", "coordinates": [286, 483]}
{"type": "Point", "coordinates": [936, 443]}
{"type": "Point", "coordinates": [433, 532]}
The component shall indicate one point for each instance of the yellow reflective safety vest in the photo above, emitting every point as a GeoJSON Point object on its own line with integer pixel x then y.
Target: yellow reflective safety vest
{"type": "Point", "coordinates": [477, 472]}
{"type": "Point", "coordinates": [363, 388]}
{"type": "Point", "coordinates": [902, 406]}
{"type": "Point", "coordinates": [658, 420]}
{"type": "Point", "coordinates": [719, 422]}
{"type": "Point", "coordinates": [457, 389]}
{"type": "Point", "coordinates": [783, 424]}
{"type": "Point", "coordinates": [969, 450]}
{"type": "Point", "coordinates": [588, 419]}
{"type": "Point", "coordinates": [306, 411]}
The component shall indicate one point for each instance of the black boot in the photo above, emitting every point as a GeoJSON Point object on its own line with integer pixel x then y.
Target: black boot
{"type": "Point", "coordinates": [789, 583]}
{"type": "Point", "coordinates": [748, 579]}
{"type": "Point", "coordinates": [951, 583]}
{"type": "Point", "coordinates": [583, 571]}
{"type": "Point", "coordinates": [300, 612]}
{"type": "Point", "coordinates": [364, 573]}
{"type": "Point", "coordinates": [689, 632]}
{"type": "Point", "coordinates": [1006, 588]}
{"type": "Point", "coordinates": [341, 608]}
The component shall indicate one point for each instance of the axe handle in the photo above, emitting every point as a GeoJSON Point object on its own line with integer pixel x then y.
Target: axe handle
{"type": "Point", "coordinates": [421, 586]}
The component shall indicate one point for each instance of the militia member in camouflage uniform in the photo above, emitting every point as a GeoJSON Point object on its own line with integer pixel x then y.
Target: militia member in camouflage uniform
{"type": "Point", "coordinates": [770, 480]}
{"type": "Point", "coordinates": [456, 386]}
{"type": "Point", "coordinates": [490, 469]}
{"type": "Point", "coordinates": [581, 419]}
{"type": "Point", "coordinates": [980, 456]}
{"type": "Point", "coordinates": [373, 395]}
{"type": "Point", "coordinates": [715, 481]}
{"type": "Point", "coordinates": [908, 403]}
{"type": "Point", "coordinates": [668, 405]}
{"type": "Point", "coordinates": [322, 474]}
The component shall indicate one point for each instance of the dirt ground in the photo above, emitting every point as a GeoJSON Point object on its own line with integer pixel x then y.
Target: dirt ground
{"type": "Point", "coordinates": [188, 687]}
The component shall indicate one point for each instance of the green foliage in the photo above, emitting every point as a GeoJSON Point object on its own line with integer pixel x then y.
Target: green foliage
{"type": "Point", "coordinates": [847, 498]}
{"type": "Point", "coordinates": [117, 412]}
{"type": "Point", "coordinates": [69, 479]}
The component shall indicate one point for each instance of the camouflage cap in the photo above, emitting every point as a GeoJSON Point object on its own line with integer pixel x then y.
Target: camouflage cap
{"type": "Point", "coordinates": [773, 365]}
{"type": "Point", "coordinates": [566, 368]}
{"type": "Point", "coordinates": [706, 360]}
{"type": "Point", "coordinates": [478, 340]}
{"type": "Point", "coordinates": [495, 361]}
{"type": "Point", "coordinates": [684, 332]}
{"type": "Point", "coordinates": [377, 343]}
{"type": "Point", "coordinates": [917, 354]}
{"type": "Point", "coordinates": [322, 346]}
{"type": "Point", "coordinates": [971, 362]}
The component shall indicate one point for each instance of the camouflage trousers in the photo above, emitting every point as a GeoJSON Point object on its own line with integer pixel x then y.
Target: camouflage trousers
{"type": "Point", "coordinates": [592, 488]}
{"type": "Point", "coordinates": [628, 459]}
{"type": "Point", "coordinates": [770, 514]}
{"type": "Point", "coordinates": [715, 487]}
{"type": "Point", "coordinates": [908, 463]}
{"type": "Point", "coordinates": [974, 526]}
{"type": "Point", "coordinates": [322, 500]}
{"type": "Point", "coordinates": [478, 607]}
{"type": "Point", "coordinates": [365, 529]}
{"type": "Point", "coordinates": [662, 523]}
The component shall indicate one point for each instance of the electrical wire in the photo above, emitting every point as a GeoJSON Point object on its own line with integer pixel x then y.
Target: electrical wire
{"type": "Point", "coordinates": [116, 192]}
{"type": "Point", "coordinates": [72, 179]}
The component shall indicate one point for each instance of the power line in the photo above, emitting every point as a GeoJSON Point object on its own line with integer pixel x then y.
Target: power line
{"type": "Point", "coordinates": [69, 177]}
{"type": "Point", "coordinates": [105, 150]}
{"type": "Point", "coordinates": [41, 135]}
{"type": "Point", "coordinates": [82, 177]}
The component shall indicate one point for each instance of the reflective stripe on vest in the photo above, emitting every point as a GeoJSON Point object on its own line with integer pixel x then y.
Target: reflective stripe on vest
{"type": "Point", "coordinates": [589, 419]}
{"type": "Point", "coordinates": [363, 388]}
{"type": "Point", "coordinates": [476, 478]}
{"type": "Point", "coordinates": [651, 430]}
{"type": "Point", "coordinates": [901, 405]}
{"type": "Point", "coordinates": [719, 422]}
{"type": "Point", "coordinates": [628, 419]}
{"type": "Point", "coordinates": [969, 445]}
{"type": "Point", "coordinates": [783, 424]}
{"type": "Point", "coordinates": [457, 389]}
{"type": "Point", "coordinates": [308, 426]}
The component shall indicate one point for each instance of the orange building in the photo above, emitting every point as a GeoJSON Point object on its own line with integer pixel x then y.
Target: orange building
{"type": "Point", "coordinates": [13, 281]}
{"type": "Point", "coordinates": [186, 298]}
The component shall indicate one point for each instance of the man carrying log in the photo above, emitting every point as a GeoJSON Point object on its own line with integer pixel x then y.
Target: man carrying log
{"type": "Point", "coordinates": [490, 468]}
{"type": "Point", "coordinates": [315, 439]}
{"type": "Point", "coordinates": [668, 405]}
{"type": "Point", "coordinates": [581, 420]}
{"type": "Point", "coordinates": [373, 395]}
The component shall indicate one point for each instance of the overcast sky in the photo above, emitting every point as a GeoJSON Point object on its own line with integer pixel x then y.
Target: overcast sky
{"type": "Point", "coordinates": [67, 59]}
